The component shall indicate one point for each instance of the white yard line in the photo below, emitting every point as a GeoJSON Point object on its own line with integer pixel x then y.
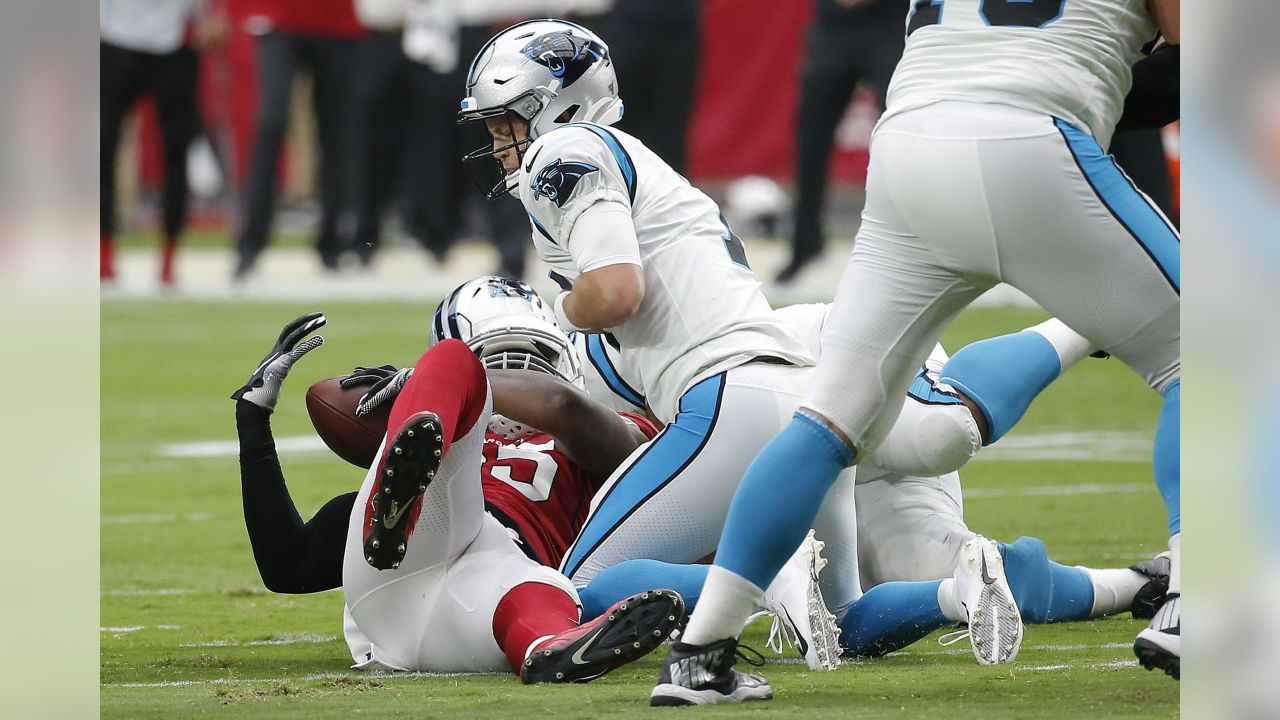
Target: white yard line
{"type": "Point", "coordinates": [1091, 446]}
{"type": "Point", "coordinates": [1055, 490]}
{"type": "Point", "coordinates": [285, 639]}
{"type": "Point", "coordinates": [136, 628]}
{"type": "Point", "coordinates": [231, 448]}
{"type": "Point", "coordinates": [148, 591]}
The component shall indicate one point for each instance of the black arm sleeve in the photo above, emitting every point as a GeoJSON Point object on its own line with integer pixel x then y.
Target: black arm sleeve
{"type": "Point", "coordinates": [1153, 101]}
{"type": "Point", "coordinates": [292, 557]}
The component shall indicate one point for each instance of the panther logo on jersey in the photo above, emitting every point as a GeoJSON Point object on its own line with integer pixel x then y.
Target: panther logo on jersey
{"type": "Point", "coordinates": [567, 56]}
{"type": "Point", "coordinates": [557, 180]}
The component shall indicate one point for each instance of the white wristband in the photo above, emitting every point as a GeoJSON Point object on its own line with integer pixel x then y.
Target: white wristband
{"type": "Point", "coordinates": [565, 324]}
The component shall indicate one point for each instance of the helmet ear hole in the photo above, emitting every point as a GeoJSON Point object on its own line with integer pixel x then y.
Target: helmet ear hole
{"type": "Point", "coordinates": [568, 114]}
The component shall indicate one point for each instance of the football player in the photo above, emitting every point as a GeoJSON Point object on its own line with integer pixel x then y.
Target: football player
{"type": "Point", "coordinates": [987, 166]}
{"type": "Point", "coordinates": [447, 553]}
{"type": "Point", "coordinates": [644, 254]}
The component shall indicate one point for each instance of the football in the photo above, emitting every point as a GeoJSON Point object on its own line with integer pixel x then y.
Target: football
{"type": "Point", "coordinates": [333, 413]}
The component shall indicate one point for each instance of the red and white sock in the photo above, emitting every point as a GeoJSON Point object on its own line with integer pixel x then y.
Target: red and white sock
{"type": "Point", "coordinates": [530, 615]}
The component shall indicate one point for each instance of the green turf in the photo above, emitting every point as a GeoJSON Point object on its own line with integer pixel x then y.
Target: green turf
{"type": "Point", "coordinates": [176, 560]}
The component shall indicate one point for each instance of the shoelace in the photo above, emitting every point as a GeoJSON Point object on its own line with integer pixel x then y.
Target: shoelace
{"type": "Point", "coordinates": [780, 632]}
{"type": "Point", "coordinates": [757, 661]}
{"type": "Point", "coordinates": [951, 638]}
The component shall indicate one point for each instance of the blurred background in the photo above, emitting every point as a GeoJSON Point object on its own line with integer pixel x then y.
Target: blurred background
{"type": "Point", "coordinates": [298, 148]}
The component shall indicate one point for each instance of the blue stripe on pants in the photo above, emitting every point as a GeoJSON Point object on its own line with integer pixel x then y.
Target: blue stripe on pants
{"type": "Point", "coordinates": [1129, 206]}
{"type": "Point", "coordinates": [664, 459]}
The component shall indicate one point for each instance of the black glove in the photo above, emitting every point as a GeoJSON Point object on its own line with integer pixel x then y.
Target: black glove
{"type": "Point", "coordinates": [263, 388]}
{"type": "Point", "coordinates": [362, 375]}
{"type": "Point", "coordinates": [1151, 596]}
{"type": "Point", "coordinates": [384, 391]}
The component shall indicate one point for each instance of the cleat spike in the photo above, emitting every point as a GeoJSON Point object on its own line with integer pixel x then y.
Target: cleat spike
{"type": "Point", "coordinates": [439, 438]}
{"type": "Point", "coordinates": [376, 544]}
{"type": "Point", "coordinates": [617, 651]}
{"type": "Point", "coordinates": [395, 565]}
{"type": "Point", "coordinates": [612, 618]}
{"type": "Point", "coordinates": [528, 663]}
{"type": "Point", "coordinates": [546, 653]}
{"type": "Point", "coordinates": [635, 645]}
{"type": "Point", "coordinates": [431, 474]}
{"type": "Point", "coordinates": [369, 559]}
{"type": "Point", "coordinates": [391, 472]}
{"type": "Point", "coordinates": [409, 433]}
{"type": "Point", "coordinates": [387, 490]}
{"type": "Point", "coordinates": [559, 676]}
{"type": "Point", "coordinates": [657, 633]}
{"type": "Point", "coordinates": [437, 452]}
{"type": "Point", "coordinates": [422, 488]}
{"type": "Point", "coordinates": [401, 548]}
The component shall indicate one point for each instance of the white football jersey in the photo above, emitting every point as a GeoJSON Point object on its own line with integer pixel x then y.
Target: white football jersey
{"type": "Point", "coordinates": [1070, 59]}
{"type": "Point", "coordinates": [703, 311]}
{"type": "Point", "coordinates": [605, 376]}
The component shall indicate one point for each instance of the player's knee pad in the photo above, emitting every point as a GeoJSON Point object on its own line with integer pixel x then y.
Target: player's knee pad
{"type": "Point", "coordinates": [928, 440]}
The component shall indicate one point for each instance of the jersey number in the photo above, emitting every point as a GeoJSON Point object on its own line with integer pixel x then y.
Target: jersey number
{"type": "Point", "coordinates": [997, 13]}
{"type": "Point", "coordinates": [531, 471]}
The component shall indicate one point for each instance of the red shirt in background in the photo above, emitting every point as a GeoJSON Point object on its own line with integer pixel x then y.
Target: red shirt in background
{"type": "Point", "coordinates": [318, 18]}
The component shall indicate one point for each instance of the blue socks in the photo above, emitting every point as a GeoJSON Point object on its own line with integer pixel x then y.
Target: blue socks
{"type": "Point", "coordinates": [1045, 590]}
{"type": "Point", "coordinates": [778, 499]}
{"type": "Point", "coordinates": [636, 576]}
{"type": "Point", "coordinates": [1002, 375]}
{"type": "Point", "coordinates": [891, 616]}
{"type": "Point", "coordinates": [1167, 463]}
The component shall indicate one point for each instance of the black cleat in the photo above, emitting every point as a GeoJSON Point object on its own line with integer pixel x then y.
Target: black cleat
{"type": "Point", "coordinates": [704, 675]}
{"type": "Point", "coordinates": [408, 465]}
{"type": "Point", "coordinates": [1151, 596]}
{"type": "Point", "coordinates": [1159, 645]}
{"type": "Point", "coordinates": [625, 632]}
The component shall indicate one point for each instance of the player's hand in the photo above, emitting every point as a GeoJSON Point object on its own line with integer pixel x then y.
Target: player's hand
{"type": "Point", "coordinates": [362, 375]}
{"type": "Point", "coordinates": [263, 388]}
{"type": "Point", "coordinates": [384, 391]}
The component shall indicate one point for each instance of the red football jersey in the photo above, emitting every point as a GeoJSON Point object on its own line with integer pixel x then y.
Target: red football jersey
{"type": "Point", "coordinates": [540, 491]}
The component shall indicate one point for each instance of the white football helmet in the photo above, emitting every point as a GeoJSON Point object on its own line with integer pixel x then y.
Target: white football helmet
{"type": "Point", "coordinates": [547, 72]}
{"type": "Point", "coordinates": [506, 323]}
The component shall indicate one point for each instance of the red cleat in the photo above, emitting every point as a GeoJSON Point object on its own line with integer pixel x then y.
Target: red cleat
{"type": "Point", "coordinates": [106, 259]}
{"type": "Point", "coordinates": [167, 253]}
{"type": "Point", "coordinates": [625, 632]}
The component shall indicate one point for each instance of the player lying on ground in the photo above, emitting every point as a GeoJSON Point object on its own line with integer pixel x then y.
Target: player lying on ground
{"type": "Point", "coordinates": [910, 518]}
{"type": "Point", "coordinates": [916, 526]}
{"type": "Point", "coordinates": [433, 582]}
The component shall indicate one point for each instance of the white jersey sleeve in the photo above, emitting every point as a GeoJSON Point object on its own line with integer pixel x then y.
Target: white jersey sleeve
{"type": "Point", "coordinates": [564, 174]}
{"type": "Point", "coordinates": [1070, 59]}
{"type": "Point", "coordinates": [703, 311]}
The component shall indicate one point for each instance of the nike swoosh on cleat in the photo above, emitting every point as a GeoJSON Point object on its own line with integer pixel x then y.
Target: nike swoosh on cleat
{"type": "Point", "coordinates": [576, 658]}
{"type": "Point", "coordinates": [804, 646]}
{"type": "Point", "coordinates": [393, 518]}
{"type": "Point", "coordinates": [986, 579]}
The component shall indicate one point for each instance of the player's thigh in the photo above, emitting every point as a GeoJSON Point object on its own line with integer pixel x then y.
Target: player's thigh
{"type": "Point", "coordinates": [451, 516]}
{"type": "Point", "coordinates": [669, 499]}
{"type": "Point", "coordinates": [1084, 243]}
{"type": "Point", "coordinates": [909, 528]}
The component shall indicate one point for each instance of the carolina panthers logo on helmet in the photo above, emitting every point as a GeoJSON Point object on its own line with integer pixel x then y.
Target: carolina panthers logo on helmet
{"type": "Point", "coordinates": [566, 55]}
{"type": "Point", "coordinates": [557, 180]}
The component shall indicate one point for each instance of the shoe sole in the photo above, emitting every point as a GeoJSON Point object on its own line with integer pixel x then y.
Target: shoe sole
{"type": "Point", "coordinates": [629, 631]}
{"type": "Point", "coordinates": [409, 465]}
{"type": "Point", "coordinates": [1152, 655]}
{"type": "Point", "coordinates": [668, 695]}
{"type": "Point", "coordinates": [995, 626]}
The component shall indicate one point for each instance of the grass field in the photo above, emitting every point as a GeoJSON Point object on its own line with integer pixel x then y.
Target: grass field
{"type": "Point", "coordinates": [189, 630]}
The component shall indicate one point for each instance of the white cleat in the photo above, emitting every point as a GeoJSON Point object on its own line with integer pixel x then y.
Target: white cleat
{"type": "Point", "coordinates": [800, 615]}
{"type": "Point", "coordinates": [995, 625]}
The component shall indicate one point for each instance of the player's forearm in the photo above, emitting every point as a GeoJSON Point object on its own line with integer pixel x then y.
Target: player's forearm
{"type": "Point", "coordinates": [1167, 14]}
{"type": "Point", "coordinates": [603, 298]}
{"type": "Point", "coordinates": [291, 556]}
{"type": "Point", "coordinates": [591, 435]}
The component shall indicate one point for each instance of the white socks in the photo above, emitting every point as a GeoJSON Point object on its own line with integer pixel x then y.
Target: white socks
{"type": "Point", "coordinates": [1071, 347]}
{"type": "Point", "coordinates": [1113, 589]}
{"type": "Point", "coordinates": [949, 603]}
{"type": "Point", "coordinates": [1175, 564]}
{"type": "Point", "coordinates": [727, 600]}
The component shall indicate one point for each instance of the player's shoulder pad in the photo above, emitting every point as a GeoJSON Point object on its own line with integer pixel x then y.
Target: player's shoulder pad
{"type": "Point", "coordinates": [558, 161]}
